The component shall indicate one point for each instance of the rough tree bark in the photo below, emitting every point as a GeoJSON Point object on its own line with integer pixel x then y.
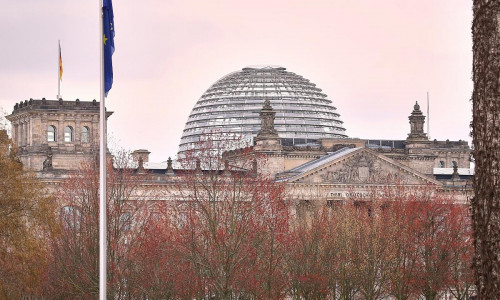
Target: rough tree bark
{"type": "Point", "coordinates": [486, 140]}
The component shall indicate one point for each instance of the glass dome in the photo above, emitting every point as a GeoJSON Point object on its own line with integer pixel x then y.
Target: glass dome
{"type": "Point", "coordinates": [232, 105]}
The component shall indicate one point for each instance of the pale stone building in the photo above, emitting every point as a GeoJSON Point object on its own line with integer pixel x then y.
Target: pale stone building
{"type": "Point", "coordinates": [286, 118]}
{"type": "Point", "coordinates": [334, 169]}
{"type": "Point", "coordinates": [54, 136]}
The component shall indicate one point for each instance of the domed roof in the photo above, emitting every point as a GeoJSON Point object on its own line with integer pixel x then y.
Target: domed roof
{"type": "Point", "coordinates": [232, 105]}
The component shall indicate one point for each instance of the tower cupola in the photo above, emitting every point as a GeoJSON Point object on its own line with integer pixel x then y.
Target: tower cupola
{"type": "Point", "coordinates": [417, 120]}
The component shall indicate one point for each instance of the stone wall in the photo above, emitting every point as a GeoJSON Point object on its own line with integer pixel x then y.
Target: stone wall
{"type": "Point", "coordinates": [30, 123]}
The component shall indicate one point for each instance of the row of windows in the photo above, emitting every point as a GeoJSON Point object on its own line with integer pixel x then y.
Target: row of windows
{"type": "Point", "coordinates": [441, 164]}
{"type": "Point", "coordinates": [68, 134]}
{"type": "Point", "coordinates": [72, 217]}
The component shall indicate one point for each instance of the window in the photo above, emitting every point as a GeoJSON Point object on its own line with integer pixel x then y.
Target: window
{"type": "Point", "coordinates": [180, 219]}
{"type": "Point", "coordinates": [68, 134]}
{"type": "Point", "coordinates": [51, 134]}
{"type": "Point", "coordinates": [71, 217]}
{"type": "Point", "coordinates": [441, 164]}
{"type": "Point", "coordinates": [85, 134]}
{"type": "Point", "coordinates": [125, 221]}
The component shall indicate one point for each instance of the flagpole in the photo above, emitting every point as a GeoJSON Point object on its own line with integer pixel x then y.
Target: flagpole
{"type": "Point", "coordinates": [428, 119]}
{"type": "Point", "coordinates": [59, 69]}
{"type": "Point", "coordinates": [102, 168]}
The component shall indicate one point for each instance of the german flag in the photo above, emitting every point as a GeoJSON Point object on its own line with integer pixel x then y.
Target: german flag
{"type": "Point", "coordinates": [60, 63]}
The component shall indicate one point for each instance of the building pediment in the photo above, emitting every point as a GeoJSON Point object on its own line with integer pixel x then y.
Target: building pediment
{"type": "Point", "coordinates": [356, 166]}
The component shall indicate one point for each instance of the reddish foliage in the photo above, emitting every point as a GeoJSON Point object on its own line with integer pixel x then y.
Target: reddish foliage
{"type": "Point", "coordinates": [225, 232]}
{"type": "Point", "coordinates": [73, 272]}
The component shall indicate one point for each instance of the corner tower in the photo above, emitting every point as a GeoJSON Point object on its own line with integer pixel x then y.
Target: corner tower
{"type": "Point", "coordinates": [417, 145]}
{"type": "Point", "coordinates": [55, 134]}
{"type": "Point", "coordinates": [417, 120]}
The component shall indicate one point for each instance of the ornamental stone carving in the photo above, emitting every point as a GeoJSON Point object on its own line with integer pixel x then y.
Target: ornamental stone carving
{"type": "Point", "coordinates": [47, 163]}
{"type": "Point", "coordinates": [362, 168]}
{"type": "Point", "coordinates": [267, 130]}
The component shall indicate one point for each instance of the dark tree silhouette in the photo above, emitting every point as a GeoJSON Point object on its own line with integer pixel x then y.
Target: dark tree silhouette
{"type": "Point", "coordinates": [486, 140]}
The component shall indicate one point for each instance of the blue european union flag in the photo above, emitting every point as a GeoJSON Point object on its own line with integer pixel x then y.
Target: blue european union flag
{"type": "Point", "coordinates": [109, 44]}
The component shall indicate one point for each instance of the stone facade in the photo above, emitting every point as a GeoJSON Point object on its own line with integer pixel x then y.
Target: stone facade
{"type": "Point", "coordinates": [329, 170]}
{"type": "Point", "coordinates": [414, 162]}
{"type": "Point", "coordinates": [55, 134]}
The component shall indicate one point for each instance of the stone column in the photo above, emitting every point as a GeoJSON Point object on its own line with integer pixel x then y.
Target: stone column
{"type": "Point", "coordinates": [94, 131]}
{"type": "Point", "coordinates": [60, 131]}
{"type": "Point", "coordinates": [78, 130]}
{"type": "Point", "coordinates": [30, 131]}
{"type": "Point", "coordinates": [43, 130]}
{"type": "Point", "coordinates": [23, 133]}
{"type": "Point", "coordinates": [19, 133]}
{"type": "Point", "coordinates": [15, 128]}
{"type": "Point", "coordinates": [26, 131]}
{"type": "Point", "coordinates": [36, 130]}
{"type": "Point", "coordinates": [26, 125]}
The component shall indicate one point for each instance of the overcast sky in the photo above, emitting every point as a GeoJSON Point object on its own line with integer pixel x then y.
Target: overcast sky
{"type": "Point", "coordinates": [373, 59]}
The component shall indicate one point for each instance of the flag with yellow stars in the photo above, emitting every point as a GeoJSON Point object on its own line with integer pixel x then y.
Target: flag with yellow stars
{"type": "Point", "coordinates": [109, 44]}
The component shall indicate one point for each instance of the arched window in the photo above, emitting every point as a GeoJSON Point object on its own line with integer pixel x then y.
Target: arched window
{"type": "Point", "coordinates": [85, 134]}
{"type": "Point", "coordinates": [68, 134]}
{"type": "Point", "coordinates": [51, 134]}
{"type": "Point", "coordinates": [441, 164]}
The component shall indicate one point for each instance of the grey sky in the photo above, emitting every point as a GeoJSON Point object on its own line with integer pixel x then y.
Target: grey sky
{"type": "Point", "coordinates": [372, 58]}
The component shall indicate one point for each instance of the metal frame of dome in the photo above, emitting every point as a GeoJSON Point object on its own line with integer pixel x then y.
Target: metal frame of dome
{"type": "Point", "coordinates": [232, 105]}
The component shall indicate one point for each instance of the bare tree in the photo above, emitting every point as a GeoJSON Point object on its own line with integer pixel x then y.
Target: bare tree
{"type": "Point", "coordinates": [73, 272]}
{"type": "Point", "coordinates": [231, 225]}
{"type": "Point", "coordinates": [486, 140]}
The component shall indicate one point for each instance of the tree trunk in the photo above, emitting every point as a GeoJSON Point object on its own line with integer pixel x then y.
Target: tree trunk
{"type": "Point", "coordinates": [486, 140]}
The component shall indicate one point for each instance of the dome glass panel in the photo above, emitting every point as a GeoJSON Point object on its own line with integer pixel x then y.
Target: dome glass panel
{"type": "Point", "coordinates": [231, 105]}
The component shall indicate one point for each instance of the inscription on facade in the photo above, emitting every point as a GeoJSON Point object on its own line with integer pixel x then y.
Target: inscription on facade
{"type": "Point", "coordinates": [351, 194]}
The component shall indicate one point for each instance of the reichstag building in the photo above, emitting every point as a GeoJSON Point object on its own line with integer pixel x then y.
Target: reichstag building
{"type": "Point", "coordinates": [279, 114]}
